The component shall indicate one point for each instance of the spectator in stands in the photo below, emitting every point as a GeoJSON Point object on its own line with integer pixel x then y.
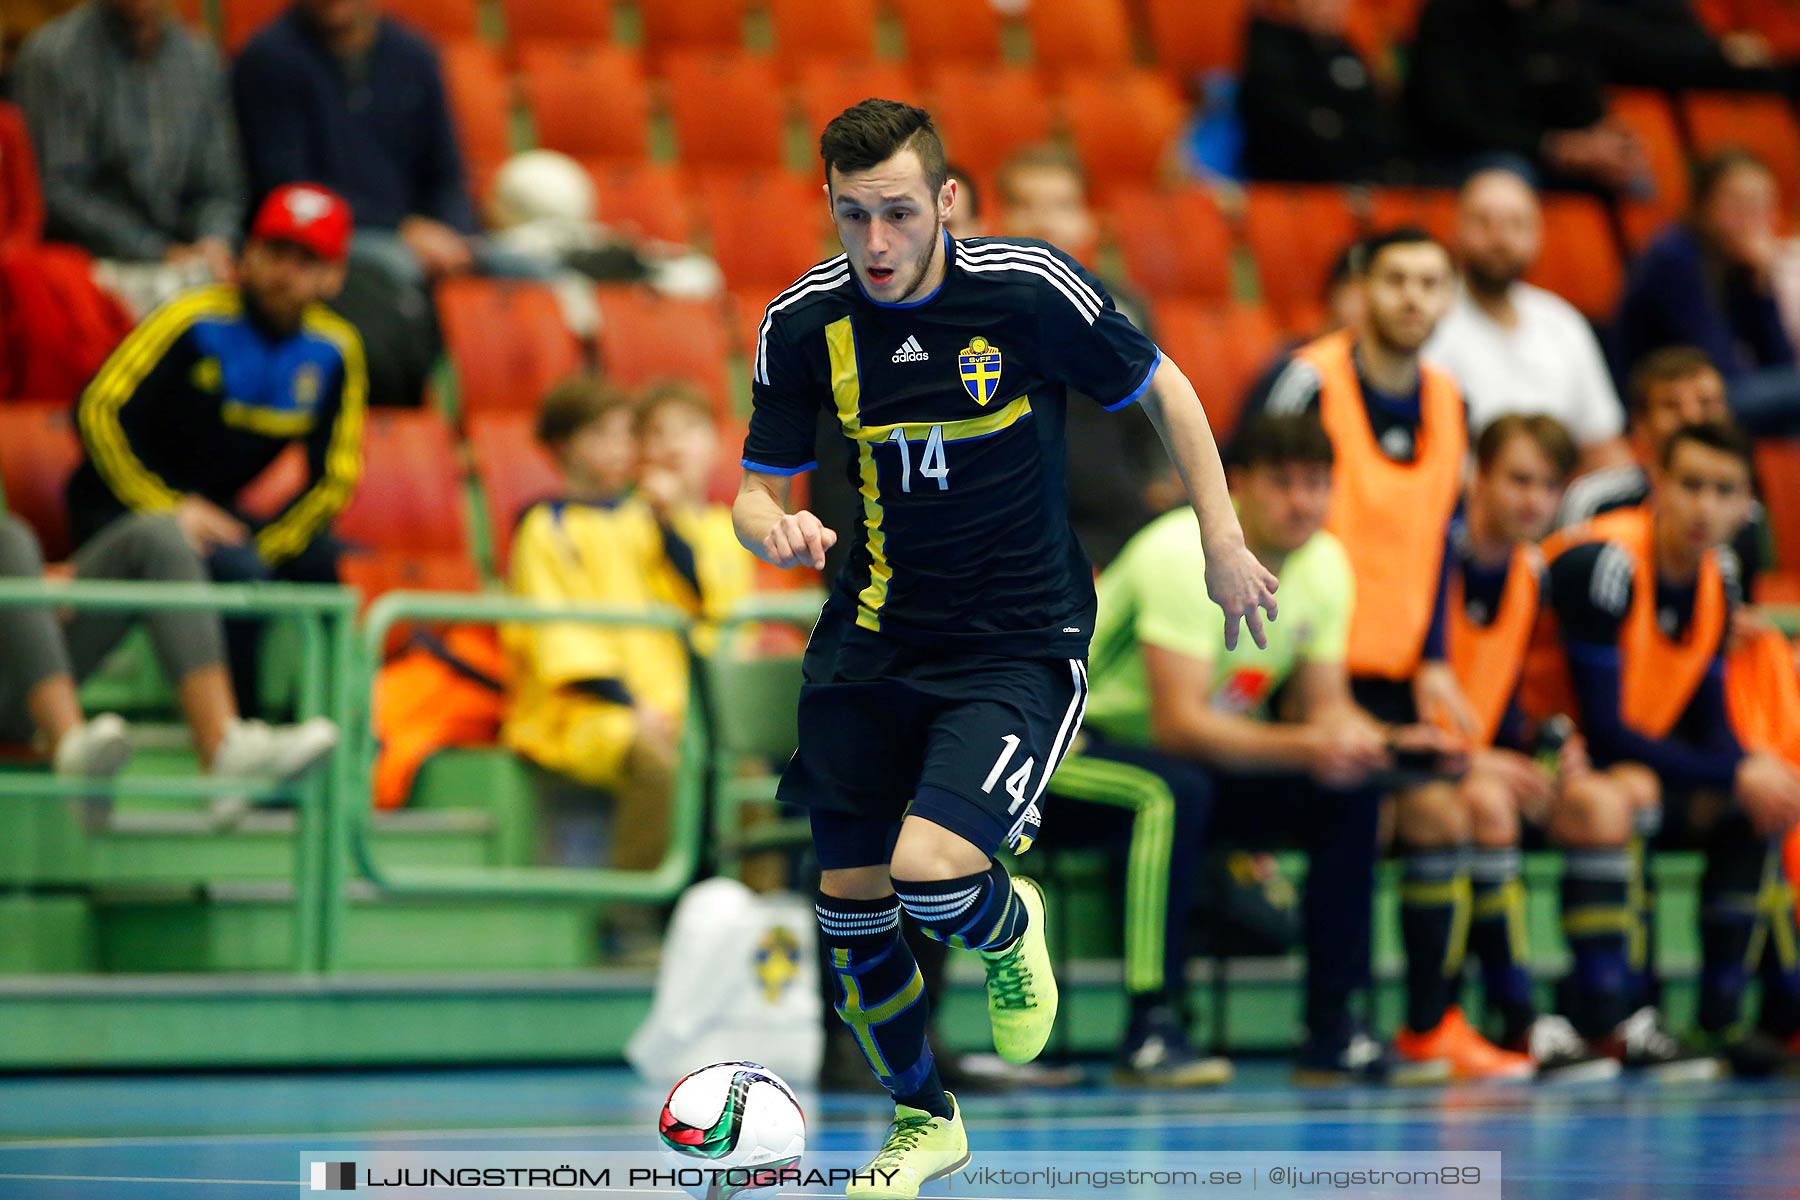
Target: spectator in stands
{"type": "Point", "coordinates": [1671, 388]}
{"type": "Point", "coordinates": [1522, 461]}
{"type": "Point", "coordinates": [1399, 428]}
{"type": "Point", "coordinates": [44, 655]}
{"type": "Point", "coordinates": [206, 393]}
{"type": "Point", "coordinates": [1512, 346]}
{"type": "Point", "coordinates": [1643, 603]}
{"type": "Point", "coordinates": [1116, 468]}
{"type": "Point", "coordinates": [1664, 44]}
{"type": "Point", "coordinates": [1313, 110]}
{"type": "Point", "coordinates": [1516, 78]}
{"type": "Point", "coordinates": [605, 706]}
{"type": "Point", "coordinates": [1251, 744]}
{"type": "Point", "coordinates": [965, 219]}
{"type": "Point", "coordinates": [1707, 282]}
{"type": "Point", "coordinates": [334, 92]}
{"type": "Point", "coordinates": [138, 153]}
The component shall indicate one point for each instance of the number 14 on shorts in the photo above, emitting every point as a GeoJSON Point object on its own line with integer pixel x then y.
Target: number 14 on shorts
{"type": "Point", "coordinates": [1018, 781]}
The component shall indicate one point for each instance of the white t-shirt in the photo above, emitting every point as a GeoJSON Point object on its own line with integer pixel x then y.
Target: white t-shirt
{"type": "Point", "coordinates": [1549, 363]}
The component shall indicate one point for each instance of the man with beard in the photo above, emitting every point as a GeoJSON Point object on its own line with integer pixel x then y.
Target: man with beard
{"type": "Point", "coordinates": [1399, 429]}
{"type": "Point", "coordinates": [213, 386]}
{"type": "Point", "coordinates": [946, 676]}
{"type": "Point", "coordinates": [1515, 347]}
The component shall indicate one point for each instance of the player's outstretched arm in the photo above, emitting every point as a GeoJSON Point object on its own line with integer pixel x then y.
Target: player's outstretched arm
{"type": "Point", "coordinates": [1236, 581]}
{"type": "Point", "coordinates": [768, 530]}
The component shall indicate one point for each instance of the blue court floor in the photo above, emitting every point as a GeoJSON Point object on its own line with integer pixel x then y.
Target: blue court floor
{"type": "Point", "coordinates": [202, 1137]}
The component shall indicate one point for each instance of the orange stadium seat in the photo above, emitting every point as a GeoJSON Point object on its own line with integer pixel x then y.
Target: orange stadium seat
{"type": "Point", "coordinates": [1176, 243]}
{"type": "Point", "coordinates": [1191, 38]}
{"type": "Point", "coordinates": [949, 31]}
{"type": "Point", "coordinates": [1430, 209]}
{"type": "Point", "coordinates": [826, 87]}
{"type": "Point", "coordinates": [410, 497]}
{"type": "Point", "coordinates": [965, 100]}
{"type": "Point", "coordinates": [645, 200]}
{"type": "Point", "coordinates": [766, 227]}
{"type": "Point", "coordinates": [1221, 348]}
{"type": "Point", "coordinates": [439, 20]}
{"type": "Point", "coordinates": [513, 470]}
{"type": "Point", "coordinates": [671, 25]}
{"type": "Point", "coordinates": [727, 108]}
{"type": "Point", "coordinates": [1123, 123]}
{"type": "Point", "coordinates": [1080, 33]}
{"type": "Point", "coordinates": [1580, 261]}
{"type": "Point", "coordinates": [806, 30]}
{"type": "Point", "coordinates": [21, 197]}
{"type": "Point", "coordinates": [588, 100]}
{"type": "Point", "coordinates": [1761, 124]}
{"type": "Point", "coordinates": [645, 338]}
{"type": "Point", "coordinates": [507, 341]}
{"type": "Point", "coordinates": [39, 450]}
{"type": "Point", "coordinates": [1648, 115]}
{"type": "Point", "coordinates": [746, 306]}
{"type": "Point", "coordinates": [1778, 475]}
{"type": "Point", "coordinates": [243, 18]}
{"type": "Point", "coordinates": [1295, 234]}
{"type": "Point", "coordinates": [557, 20]}
{"type": "Point", "coordinates": [374, 573]}
{"type": "Point", "coordinates": [480, 101]}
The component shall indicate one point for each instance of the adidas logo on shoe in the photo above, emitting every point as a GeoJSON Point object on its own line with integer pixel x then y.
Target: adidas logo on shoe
{"type": "Point", "coordinates": [911, 351]}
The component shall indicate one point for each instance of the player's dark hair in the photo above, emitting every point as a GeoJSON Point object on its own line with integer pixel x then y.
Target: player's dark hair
{"type": "Point", "coordinates": [1276, 440]}
{"type": "Point", "coordinates": [1344, 268]}
{"type": "Point", "coordinates": [1549, 435]}
{"type": "Point", "coordinates": [574, 404]}
{"type": "Point", "coordinates": [966, 191]}
{"type": "Point", "coordinates": [1664, 366]}
{"type": "Point", "coordinates": [869, 133]}
{"type": "Point", "coordinates": [672, 393]}
{"type": "Point", "coordinates": [1365, 253]}
{"type": "Point", "coordinates": [1722, 436]}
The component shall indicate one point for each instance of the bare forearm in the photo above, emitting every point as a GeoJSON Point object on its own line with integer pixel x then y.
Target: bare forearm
{"type": "Point", "coordinates": [1234, 742]}
{"type": "Point", "coordinates": [753, 514]}
{"type": "Point", "coordinates": [1175, 410]}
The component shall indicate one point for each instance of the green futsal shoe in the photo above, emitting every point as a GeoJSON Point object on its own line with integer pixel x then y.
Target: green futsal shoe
{"type": "Point", "coordinates": [1020, 987]}
{"type": "Point", "coordinates": [919, 1149]}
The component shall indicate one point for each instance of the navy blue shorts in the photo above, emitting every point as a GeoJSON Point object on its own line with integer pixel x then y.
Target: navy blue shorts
{"type": "Point", "coordinates": [966, 741]}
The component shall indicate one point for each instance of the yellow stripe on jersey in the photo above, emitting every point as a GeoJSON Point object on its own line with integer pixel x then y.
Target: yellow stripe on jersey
{"type": "Point", "coordinates": [97, 412]}
{"type": "Point", "coordinates": [846, 391]}
{"type": "Point", "coordinates": [295, 529]}
{"type": "Point", "coordinates": [953, 431]}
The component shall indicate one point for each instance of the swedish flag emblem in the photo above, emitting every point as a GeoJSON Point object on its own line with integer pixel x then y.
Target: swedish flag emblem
{"type": "Point", "coordinates": [979, 363]}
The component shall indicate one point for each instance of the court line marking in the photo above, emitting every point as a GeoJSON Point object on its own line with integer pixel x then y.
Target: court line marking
{"type": "Point", "coordinates": [1344, 1115]}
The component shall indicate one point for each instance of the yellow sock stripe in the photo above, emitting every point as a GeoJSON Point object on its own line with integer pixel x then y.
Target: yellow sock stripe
{"type": "Point", "coordinates": [860, 1024]}
{"type": "Point", "coordinates": [1459, 927]}
{"type": "Point", "coordinates": [1120, 785]}
{"type": "Point", "coordinates": [1006, 912]}
{"type": "Point", "coordinates": [295, 529]}
{"type": "Point", "coordinates": [97, 411]}
{"type": "Point", "coordinates": [1637, 896]}
{"type": "Point", "coordinates": [1516, 938]}
{"type": "Point", "coordinates": [1437, 894]}
{"type": "Point", "coordinates": [1591, 920]}
{"type": "Point", "coordinates": [1780, 911]}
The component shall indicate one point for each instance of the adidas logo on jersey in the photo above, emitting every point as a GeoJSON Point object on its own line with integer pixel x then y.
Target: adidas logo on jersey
{"type": "Point", "coordinates": [911, 351]}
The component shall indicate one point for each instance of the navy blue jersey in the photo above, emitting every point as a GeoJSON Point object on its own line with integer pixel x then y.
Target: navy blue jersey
{"type": "Point", "coordinates": [954, 408]}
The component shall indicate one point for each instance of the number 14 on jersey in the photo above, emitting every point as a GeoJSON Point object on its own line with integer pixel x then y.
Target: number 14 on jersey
{"type": "Point", "coordinates": [931, 466]}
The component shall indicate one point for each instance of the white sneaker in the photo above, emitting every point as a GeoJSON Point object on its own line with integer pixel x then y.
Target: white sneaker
{"type": "Point", "coordinates": [95, 749]}
{"type": "Point", "coordinates": [257, 750]}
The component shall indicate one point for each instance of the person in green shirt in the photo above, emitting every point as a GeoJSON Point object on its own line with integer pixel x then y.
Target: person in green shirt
{"type": "Point", "coordinates": [1255, 745]}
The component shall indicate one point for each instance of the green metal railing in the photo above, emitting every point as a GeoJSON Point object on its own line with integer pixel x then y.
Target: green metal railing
{"type": "Point", "coordinates": [325, 618]}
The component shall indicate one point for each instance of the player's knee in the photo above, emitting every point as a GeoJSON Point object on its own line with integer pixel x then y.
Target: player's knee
{"type": "Point", "coordinates": [19, 554]}
{"type": "Point", "coordinates": [1432, 817]}
{"type": "Point", "coordinates": [1593, 813]}
{"type": "Point", "coordinates": [856, 883]}
{"type": "Point", "coordinates": [1493, 812]}
{"type": "Point", "coordinates": [926, 852]}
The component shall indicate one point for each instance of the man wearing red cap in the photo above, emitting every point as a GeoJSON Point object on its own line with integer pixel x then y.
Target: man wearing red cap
{"type": "Point", "coordinates": [213, 386]}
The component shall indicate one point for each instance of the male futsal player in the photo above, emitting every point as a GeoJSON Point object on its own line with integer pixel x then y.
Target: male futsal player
{"type": "Point", "coordinates": [945, 678]}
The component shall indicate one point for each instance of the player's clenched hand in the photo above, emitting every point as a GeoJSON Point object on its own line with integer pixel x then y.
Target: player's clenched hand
{"type": "Point", "coordinates": [797, 539]}
{"type": "Point", "coordinates": [1240, 585]}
